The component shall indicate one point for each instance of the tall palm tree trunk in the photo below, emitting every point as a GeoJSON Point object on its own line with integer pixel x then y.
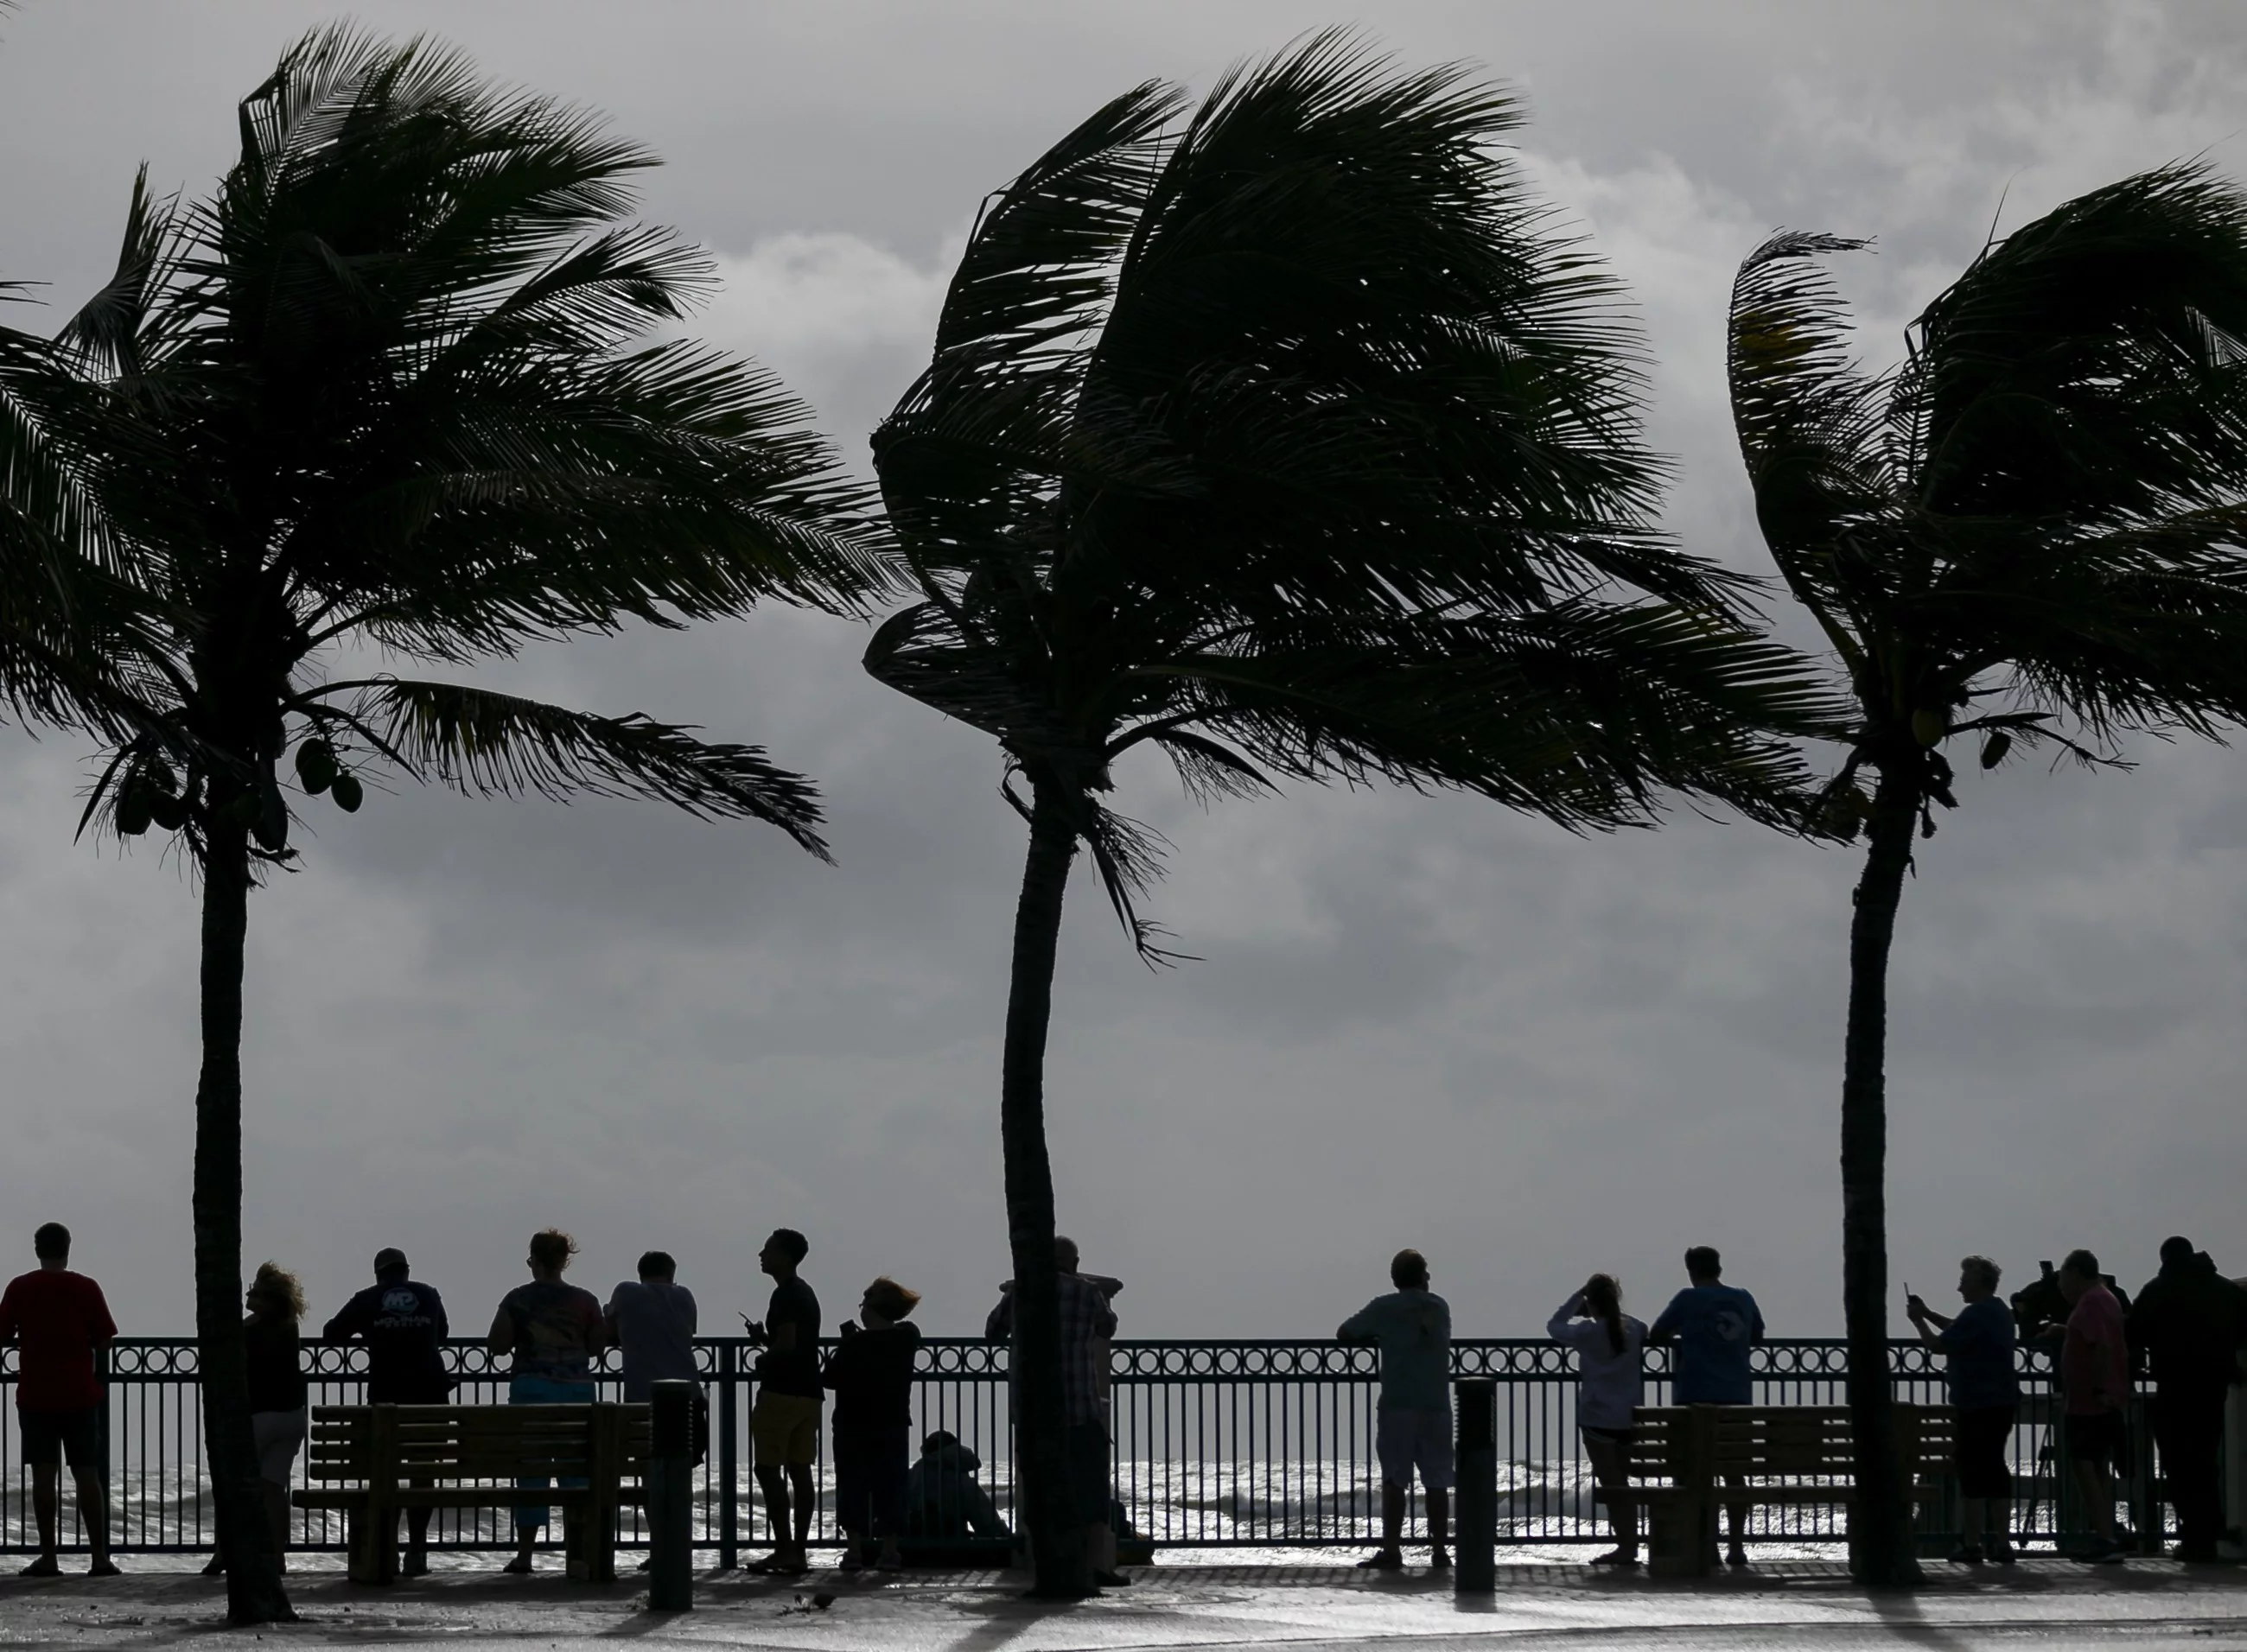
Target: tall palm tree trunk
{"type": "Point", "coordinates": [253, 1579]}
{"type": "Point", "coordinates": [1881, 1548]}
{"type": "Point", "coordinates": [1054, 1526]}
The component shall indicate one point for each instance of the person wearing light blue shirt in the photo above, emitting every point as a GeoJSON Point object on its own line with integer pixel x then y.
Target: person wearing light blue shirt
{"type": "Point", "coordinates": [1713, 1325]}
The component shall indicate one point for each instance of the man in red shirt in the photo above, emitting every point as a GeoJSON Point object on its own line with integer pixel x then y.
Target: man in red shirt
{"type": "Point", "coordinates": [59, 1318]}
{"type": "Point", "coordinates": [2094, 1372]}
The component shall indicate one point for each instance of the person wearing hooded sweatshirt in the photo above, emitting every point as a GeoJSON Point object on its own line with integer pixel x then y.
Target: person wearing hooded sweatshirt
{"type": "Point", "coordinates": [943, 1498]}
{"type": "Point", "coordinates": [2190, 1321]}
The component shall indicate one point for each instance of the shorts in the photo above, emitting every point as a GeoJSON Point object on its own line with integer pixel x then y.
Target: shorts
{"type": "Point", "coordinates": [277, 1435]}
{"type": "Point", "coordinates": [2097, 1437]}
{"type": "Point", "coordinates": [49, 1437]}
{"type": "Point", "coordinates": [1404, 1440]}
{"type": "Point", "coordinates": [785, 1429]}
{"type": "Point", "coordinates": [1980, 1450]}
{"type": "Point", "coordinates": [1607, 1437]}
{"type": "Point", "coordinates": [1088, 1480]}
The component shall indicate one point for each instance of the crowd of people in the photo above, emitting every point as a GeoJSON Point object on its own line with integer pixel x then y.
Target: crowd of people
{"type": "Point", "coordinates": [2185, 1327]}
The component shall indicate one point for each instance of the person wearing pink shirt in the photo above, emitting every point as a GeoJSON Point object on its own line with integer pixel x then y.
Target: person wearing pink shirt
{"type": "Point", "coordinates": [2094, 1374]}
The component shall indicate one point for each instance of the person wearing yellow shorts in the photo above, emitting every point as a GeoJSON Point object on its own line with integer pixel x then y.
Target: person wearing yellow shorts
{"type": "Point", "coordinates": [784, 1423]}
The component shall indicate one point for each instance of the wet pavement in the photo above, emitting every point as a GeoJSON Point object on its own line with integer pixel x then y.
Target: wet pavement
{"type": "Point", "coordinates": [2148, 1605]}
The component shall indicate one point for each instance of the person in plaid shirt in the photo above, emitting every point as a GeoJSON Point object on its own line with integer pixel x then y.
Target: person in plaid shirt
{"type": "Point", "coordinates": [1087, 1324]}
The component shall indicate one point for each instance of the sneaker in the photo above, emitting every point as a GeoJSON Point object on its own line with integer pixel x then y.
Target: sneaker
{"type": "Point", "coordinates": [105, 1568]}
{"type": "Point", "coordinates": [45, 1566]}
{"type": "Point", "coordinates": [519, 1567]}
{"type": "Point", "coordinates": [851, 1561]}
{"type": "Point", "coordinates": [1616, 1557]}
{"type": "Point", "coordinates": [1386, 1560]}
{"type": "Point", "coordinates": [1439, 1560]}
{"type": "Point", "coordinates": [1736, 1556]}
{"type": "Point", "coordinates": [1966, 1554]}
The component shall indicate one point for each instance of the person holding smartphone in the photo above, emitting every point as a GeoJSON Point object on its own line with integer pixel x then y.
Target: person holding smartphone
{"type": "Point", "coordinates": [1985, 1392]}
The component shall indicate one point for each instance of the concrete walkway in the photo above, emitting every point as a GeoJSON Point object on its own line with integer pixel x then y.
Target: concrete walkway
{"type": "Point", "coordinates": [2148, 1605]}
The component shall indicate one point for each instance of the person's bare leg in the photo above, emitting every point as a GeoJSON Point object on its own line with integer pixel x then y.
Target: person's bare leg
{"type": "Point", "coordinates": [2097, 1497]}
{"type": "Point", "coordinates": [1610, 1467]}
{"type": "Point", "coordinates": [1736, 1515]}
{"type": "Point", "coordinates": [1973, 1514]}
{"type": "Point", "coordinates": [45, 1509]}
{"type": "Point", "coordinates": [1439, 1525]}
{"type": "Point", "coordinates": [276, 1517]}
{"type": "Point", "coordinates": [773, 1485]}
{"type": "Point", "coordinates": [806, 1503]}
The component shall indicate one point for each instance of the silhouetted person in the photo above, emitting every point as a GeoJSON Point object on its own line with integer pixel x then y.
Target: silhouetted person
{"type": "Point", "coordinates": [59, 1319]}
{"type": "Point", "coordinates": [784, 1423]}
{"type": "Point", "coordinates": [271, 1344]}
{"type": "Point", "coordinates": [1985, 1395]}
{"type": "Point", "coordinates": [943, 1497]}
{"type": "Point", "coordinates": [402, 1322]}
{"type": "Point", "coordinates": [871, 1373]}
{"type": "Point", "coordinates": [2190, 1321]}
{"type": "Point", "coordinates": [1088, 1323]}
{"type": "Point", "coordinates": [1610, 1381]}
{"type": "Point", "coordinates": [651, 1320]}
{"type": "Point", "coordinates": [1412, 1421]}
{"type": "Point", "coordinates": [2094, 1375]}
{"type": "Point", "coordinates": [554, 1332]}
{"type": "Point", "coordinates": [1714, 1325]}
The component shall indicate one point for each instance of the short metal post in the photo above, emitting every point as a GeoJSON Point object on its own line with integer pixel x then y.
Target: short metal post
{"type": "Point", "coordinates": [671, 1499]}
{"type": "Point", "coordinates": [1476, 1571]}
{"type": "Point", "coordinates": [727, 1467]}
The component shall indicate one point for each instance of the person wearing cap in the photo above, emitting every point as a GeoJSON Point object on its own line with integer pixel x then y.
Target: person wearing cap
{"type": "Point", "coordinates": [402, 1322]}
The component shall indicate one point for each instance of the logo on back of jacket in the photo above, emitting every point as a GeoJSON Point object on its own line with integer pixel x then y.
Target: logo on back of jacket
{"type": "Point", "coordinates": [401, 1306]}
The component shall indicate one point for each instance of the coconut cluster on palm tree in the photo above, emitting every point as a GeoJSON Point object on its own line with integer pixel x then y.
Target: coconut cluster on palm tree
{"type": "Point", "coordinates": [2028, 533]}
{"type": "Point", "coordinates": [392, 385]}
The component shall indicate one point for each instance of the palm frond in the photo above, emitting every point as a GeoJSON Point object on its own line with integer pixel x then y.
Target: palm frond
{"type": "Point", "coordinates": [482, 743]}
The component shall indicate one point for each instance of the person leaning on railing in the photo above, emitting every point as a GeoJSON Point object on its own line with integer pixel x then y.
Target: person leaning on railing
{"type": "Point", "coordinates": [1610, 1381]}
{"type": "Point", "coordinates": [554, 1332]}
{"type": "Point", "coordinates": [1985, 1392]}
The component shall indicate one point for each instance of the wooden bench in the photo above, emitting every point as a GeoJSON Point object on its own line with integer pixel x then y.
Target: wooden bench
{"type": "Point", "coordinates": [1785, 1456]}
{"type": "Point", "coordinates": [373, 1461]}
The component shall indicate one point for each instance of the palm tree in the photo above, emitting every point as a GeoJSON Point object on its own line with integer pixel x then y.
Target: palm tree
{"type": "Point", "coordinates": [1290, 443]}
{"type": "Point", "coordinates": [2031, 527]}
{"type": "Point", "coordinates": [390, 385]}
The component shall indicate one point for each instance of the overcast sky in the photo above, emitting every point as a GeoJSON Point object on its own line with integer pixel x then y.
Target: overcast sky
{"type": "Point", "coordinates": [1416, 1021]}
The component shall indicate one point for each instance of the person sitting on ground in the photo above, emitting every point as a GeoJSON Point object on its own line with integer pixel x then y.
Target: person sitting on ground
{"type": "Point", "coordinates": [872, 1372]}
{"type": "Point", "coordinates": [554, 1332]}
{"type": "Point", "coordinates": [2190, 1321]}
{"type": "Point", "coordinates": [1610, 1381]}
{"type": "Point", "coordinates": [1985, 1394]}
{"type": "Point", "coordinates": [1088, 1325]}
{"type": "Point", "coordinates": [2095, 1375]}
{"type": "Point", "coordinates": [402, 1322]}
{"type": "Point", "coordinates": [61, 1319]}
{"type": "Point", "coordinates": [784, 1423]}
{"type": "Point", "coordinates": [278, 1395]}
{"type": "Point", "coordinates": [1714, 1325]}
{"type": "Point", "coordinates": [943, 1498]}
{"type": "Point", "coordinates": [1412, 1327]}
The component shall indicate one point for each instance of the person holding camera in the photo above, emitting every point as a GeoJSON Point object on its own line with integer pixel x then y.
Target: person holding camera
{"type": "Point", "coordinates": [2095, 1375]}
{"type": "Point", "coordinates": [1611, 1350]}
{"type": "Point", "coordinates": [872, 1372]}
{"type": "Point", "coordinates": [1985, 1394]}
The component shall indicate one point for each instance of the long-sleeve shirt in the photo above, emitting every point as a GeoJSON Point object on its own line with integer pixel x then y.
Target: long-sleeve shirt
{"type": "Point", "coordinates": [1610, 1381]}
{"type": "Point", "coordinates": [2094, 1361]}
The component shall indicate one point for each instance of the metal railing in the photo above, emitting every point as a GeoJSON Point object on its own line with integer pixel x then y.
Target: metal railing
{"type": "Point", "coordinates": [1217, 1444]}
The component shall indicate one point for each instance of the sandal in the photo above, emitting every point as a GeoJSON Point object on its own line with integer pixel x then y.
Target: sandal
{"type": "Point", "coordinates": [1386, 1560]}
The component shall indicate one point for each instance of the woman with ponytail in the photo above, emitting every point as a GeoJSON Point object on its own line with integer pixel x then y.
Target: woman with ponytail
{"type": "Point", "coordinates": [1609, 1343]}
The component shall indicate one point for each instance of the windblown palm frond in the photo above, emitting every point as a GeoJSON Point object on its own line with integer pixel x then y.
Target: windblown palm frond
{"type": "Point", "coordinates": [488, 744]}
{"type": "Point", "coordinates": [2033, 531]}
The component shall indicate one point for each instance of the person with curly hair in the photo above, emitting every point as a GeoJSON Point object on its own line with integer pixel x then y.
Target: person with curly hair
{"type": "Point", "coordinates": [553, 1332]}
